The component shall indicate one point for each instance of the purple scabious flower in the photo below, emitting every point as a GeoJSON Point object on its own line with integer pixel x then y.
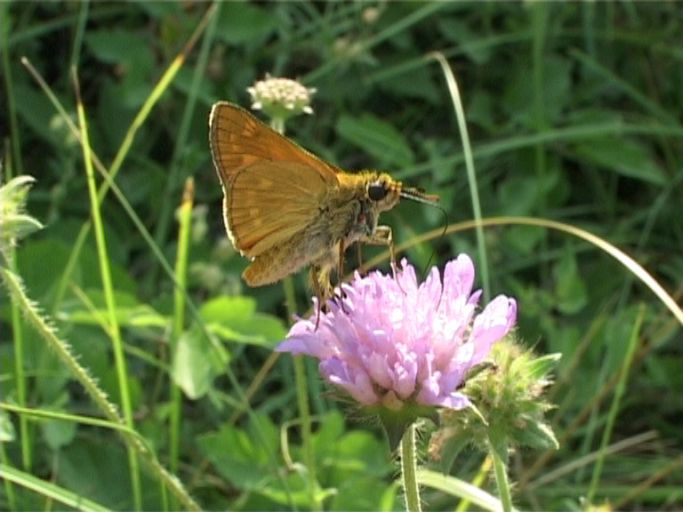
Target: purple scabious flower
{"type": "Point", "coordinates": [390, 342]}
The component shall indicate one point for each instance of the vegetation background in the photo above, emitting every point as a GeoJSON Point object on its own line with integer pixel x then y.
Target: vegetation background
{"type": "Point", "coordinates": [574, 113]}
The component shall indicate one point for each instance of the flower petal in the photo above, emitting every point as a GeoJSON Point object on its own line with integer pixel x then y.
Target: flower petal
{"type": "Point", "coordinates": [491, 325]}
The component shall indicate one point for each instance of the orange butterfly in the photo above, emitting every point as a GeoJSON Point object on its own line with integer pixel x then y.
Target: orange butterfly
{"type": "Point", "coordinates": [284, 208]}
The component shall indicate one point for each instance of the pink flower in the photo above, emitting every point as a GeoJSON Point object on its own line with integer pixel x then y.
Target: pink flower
{"type": "Point", "coordinates": [391, 342]}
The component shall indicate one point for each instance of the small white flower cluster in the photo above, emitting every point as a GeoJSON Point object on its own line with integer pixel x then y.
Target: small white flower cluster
{"type": "Point", "coordinates": [281, 97]}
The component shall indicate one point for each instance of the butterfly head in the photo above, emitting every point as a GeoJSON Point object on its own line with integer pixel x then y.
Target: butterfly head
{"type": "Point", "coordinates": [384, 192]}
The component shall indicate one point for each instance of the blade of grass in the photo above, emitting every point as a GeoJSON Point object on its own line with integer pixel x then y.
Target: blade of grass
{"type": "Point", "coordinates": [458, 488]}
{"type": "Point", "coordinates": [616, 403]}
{"type": "Point", "coordinates": [108, 290]}
{"type": "Point", "coordinates": [185, 224]}
{"type": "Point", "coordinates": [539, 17]}
{"type": "Point", "coordinates": [564, 134]}
{"type": "Point", "coordinates": [78, 37]}
{"type": "Point", "coordinates": [50, 490]}
{"type": "Point", "coordinates": [570, 467]}
{"type": "Point", "coordinates": [672, 468]}
{"type": "Point", "coordinates": [9, 88]}
{"type": "Point", "coordinates": [9, 487]}
{"type": "Point", "coordinates": [55, 24]}
{"type": "Point", "coordinates": [469, 164]}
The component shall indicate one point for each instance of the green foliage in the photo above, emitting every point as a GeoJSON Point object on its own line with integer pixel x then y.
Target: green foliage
{"type": "Point", "coordinates": [574, 114]}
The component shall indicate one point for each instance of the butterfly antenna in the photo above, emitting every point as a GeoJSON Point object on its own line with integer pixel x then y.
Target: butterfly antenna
{"type": "Point", "coordinates": [415, 194]}
{"type": "Point", "coordinates": [443, 233]}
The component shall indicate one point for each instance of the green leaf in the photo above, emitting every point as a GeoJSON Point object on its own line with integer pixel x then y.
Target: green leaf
{"type": "Point", "coordinates": [58, 433]}
{"type": "Point", "coordinates": [235, 319]}
{"type": "Point", "coordinates": [7, 433]}
{"type": "Point", "coordinates": [106, 467]}
{"type": "Point", "coordinates": [624, 156]}
{"type": "Point", "coordinates": [243, 458]}
{"type": "Point", "coordinates": [541, 366]}
{"type": "Point", "coordinates": [458, 488]}
{"type": "Point", "coordinates": [570, 289]}
{"type": "Point", "coordinates": [537, 435]}
{"type": "Point", "coordinates": [129, 313]}
{"type": "Point", "coordinates": [191, 369]}
{"type": "Point", "coordinates": [377, 138]}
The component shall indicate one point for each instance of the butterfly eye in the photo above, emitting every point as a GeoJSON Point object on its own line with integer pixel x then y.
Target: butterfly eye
{"type": "Point", "coordinates": [377, 191]}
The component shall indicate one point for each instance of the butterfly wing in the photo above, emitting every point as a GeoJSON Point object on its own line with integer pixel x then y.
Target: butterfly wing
{"type": "Point", "coordinates": [268, 203]}
{"type": "Point", "coordinates": [239, 140]}
{"type": "Point", "coordinates": [272, 186]}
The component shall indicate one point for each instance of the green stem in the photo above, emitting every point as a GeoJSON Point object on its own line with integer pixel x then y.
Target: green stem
{"type": "Point", "coordinates": [616, 403]}
{"type": "Point", "coordinates": [18, 336]}
{"type": "Point", "coordinates": [498, 453]}
{"type": "Point", "coordinates": [9, 486]}
{"type": "Point", "coordinates": [278, 124]}
{"type": "Point", "coordinates": [469, 166]}
{"type": "Point", "coordinates": [15, 163]}
{"type": "Point", "coordinates": [185, 218]}
{"type": "Point", "coordinates": [108, 289]}
{"type": "Point", "coordinates": [409, 470]}
{"type": "Point", "coordinates": [302, 403]}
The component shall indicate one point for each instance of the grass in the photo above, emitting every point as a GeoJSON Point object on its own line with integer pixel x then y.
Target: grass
{"type": "Point", "coordinates": [565, 151]}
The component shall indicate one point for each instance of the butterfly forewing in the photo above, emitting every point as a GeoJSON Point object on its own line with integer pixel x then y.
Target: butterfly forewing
{"type": "Point", "coordinates": [239, 140]}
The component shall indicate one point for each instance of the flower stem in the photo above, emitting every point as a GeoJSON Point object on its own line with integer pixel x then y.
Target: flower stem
{"type": "Point", "coordinates": [409, 471]}
{"type": "Point", "coordinates": [498, 453]}
{"type": "Point", "coordinates": [278, 124]}
{"type": "Point", "coordinates": [302, 402]}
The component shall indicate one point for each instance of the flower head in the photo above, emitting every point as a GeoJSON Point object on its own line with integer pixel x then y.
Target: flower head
{"type": "Point", "coordinates": [281, 97]}
{"type": "Point", "coordinates": [14, 223]}
{"type": "Point", "coordinates": [392, 343]}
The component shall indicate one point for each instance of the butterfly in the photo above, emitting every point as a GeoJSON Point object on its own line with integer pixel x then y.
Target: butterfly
{"type": "Point", "coordinates": [284, 208]}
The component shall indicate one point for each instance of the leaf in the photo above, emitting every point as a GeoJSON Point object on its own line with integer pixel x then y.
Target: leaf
{"type": "Point", "coordinates": [239, 456]}
{"type": "Point", "coordinates": [541, 366]}
{"type": "Point", "coordinates": [7, 433]}
{"type": "Point", "coordinates": [104, 463]}
{"type": "Point", "coordinates": [624, 156]}
{"type": "Point", "coordinates": [235, 319]}
{"type": "Point", "coordinates": [570, 289]}
{"type": "Point", "coordinates": [129, 313]}
{"type": "Point", "coordinates": [377, 138]}
{"type": "Point", "coordinates": [58, 433]}
{"type": "Point", "coordinates": [191, 369]}
{"type": "Point", "coordinates": [458, 488]}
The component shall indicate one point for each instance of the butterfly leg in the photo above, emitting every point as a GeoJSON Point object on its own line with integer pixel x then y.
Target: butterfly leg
{"type": "Point", "coordinates": [384, 236]}
{"type": "Point", "coordinates": [320, 282]}
{"type": "Point", "coordinates": [340, 276]}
